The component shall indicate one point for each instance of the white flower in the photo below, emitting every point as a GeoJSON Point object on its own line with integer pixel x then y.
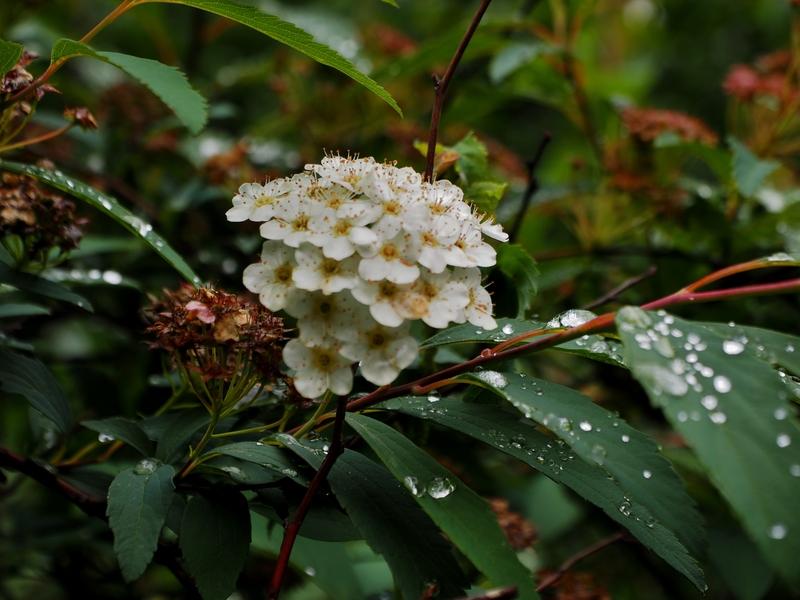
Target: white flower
{"type": "Point", "coordinates": [333, 196]}
{"type": "Point", "coordinates": [479, 310]}
{"type": "Point", "coordinates": [271, 278]}
{"type": "Point", "coordinates": [489, 227]}
{"type": "Point", "coordinates": [320, 317]}
{"type": "Point", "coordinates": [317, 272]}
{"type": "Point", "coordinates": [386, 300]}
{"type": "Point", "coordinates": [435, 234]}
{"type": "Point", "coordinates": [469, 250]}
{"type": "Point", "coordinates": [256, 202]}
{"type": "Point", "coordinates": [340, 232]}
{"type": "Point", "coordinates": [437, 300]}
{"type": "Point", "coordinates": [290, 222]}
{"type": "Point", "coordinates": [394, 260]}
{"type": "Point", "coordinates": [344, 171]}
{"type": "Point", "coordinates": [383, 352]}
{"type": "Point", "coordinates": [443, 197]}
{"type": "Point", "coordinates": [386, 183]}
{"type": "Point", "coordinates": [318, 369]}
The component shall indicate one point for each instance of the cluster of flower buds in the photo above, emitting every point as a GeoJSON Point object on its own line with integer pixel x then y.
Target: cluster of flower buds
{"type": "Point", "coordinates": [355, 250]}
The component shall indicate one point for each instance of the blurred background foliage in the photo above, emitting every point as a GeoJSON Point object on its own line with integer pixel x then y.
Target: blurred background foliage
{"type": "Point", "coordinates": [620, 191]}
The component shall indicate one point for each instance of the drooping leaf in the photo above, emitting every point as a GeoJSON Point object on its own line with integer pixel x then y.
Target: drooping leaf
{"type": "Point", "coordinates": [732, 408]}
{"type": "Point", "coordinates": [138, 503]}
{"type": "Point", "coordinates": [601, 438]}
{"type": "Point", "coordinates": [520, 269]}
{"type": "Point", "coordinates": [30, 378]}
{"type": "Point", "coordinates": [390, 521]}
{"type": "Point", "coordinates": [215, 541]}
{"type": "Point", "coordinates": [22, 310]}
{"type": "Point", "coordinates": [38, 285]}
{"type": "Point", "coordinates": [123, 430]}
{"type": "Point", "coordinates": [10, 53]}
{"type": "Point", "coordinates": [271, 457]}
{"type": "Point", "coordinates": [109, 206]}
{"type": "Point", "coordinates": [460, 513]}
{"type": "Point", "coordinates": [749, 171]}
{"type": "Point", "coordinates": [500, 429]}
{"type": "Point", "coordinates": [168, 83]}
{"type": "Point", "coordinates": [290, 35]}
{"type": "Point", "coordinates": [174, 442]}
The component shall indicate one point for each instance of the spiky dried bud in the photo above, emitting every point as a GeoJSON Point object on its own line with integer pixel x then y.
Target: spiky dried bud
{"type": "Point", "coordinates": [82, 116]}
{"type": "Point", "coordinates": [40, 217]}
{"type": "Point", "coordinates": [193, 323]}
{"type": "Point", "coordinates": [647, 124]}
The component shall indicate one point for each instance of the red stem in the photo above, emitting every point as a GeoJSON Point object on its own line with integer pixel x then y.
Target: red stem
{"type": "Point", "coordinates": [555, 577]}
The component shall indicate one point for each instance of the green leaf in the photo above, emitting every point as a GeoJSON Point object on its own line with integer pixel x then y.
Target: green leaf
{"type": "Point", "coordinates": [601, 438]}
{"type": "Point", "coordinates": [473, 159]}
{"type": "Point", "coordinates": [733, 410]}
{"type": "Point", "coordinates": [520, 269]}
{"type": "Point", "coordinates": [390, 521]}
{"type": "Point", "coordinates": [9, 342]}
{"type": "Point", "coordinates": [778, 349]}
{"type": "Point", "coordinates": [10, 54]}
{"type": "Point", "coordinates": [718, 159]}
{"type": "Point", "coordinates": [504, 431]}
{"type": "Point", "coordinates": [215, 541]}
{"type": "Point", "coordinates": [38, 285]}
{"type": "Point", "coordinates": [30, 378]}
{"type": "Point", "coordinates": [739, 563]}
{"type": "Point", "coordinates": [485, 195]}
{"type": "Point", "coordinates": [90, 277]}
{"type": "Point", "coordinates": [168, 83]}
{"type": "Point", "coordinates": [291, 35]}
{"type": "Point", "coordinates": [271, 457]}
{"type": "Point", "coordinates": [174, 442]}
{"type": "Point", "coordinates": [123, 430]}
{"type": "Point", "coordinates": [749, 171]}
{"type": "Point", "coordinates": [511, 58]}
{"type": "Point", "coordinates": [458, 511]}
{"type": "Point", "coordinates": [239, 471]}
{"type": "Point", "coordinates": [109, 206]}
{"type": "Point", "coordinates": [138, 503]}
{"type": "Point", "coordinates": [392, 2]}
{"type": "Point", "coordinates": [22, 310]}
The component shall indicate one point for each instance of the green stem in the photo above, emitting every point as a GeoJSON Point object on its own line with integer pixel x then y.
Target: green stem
{"type": "Point", "coordinates": [320, 411]}
{"type": "Point", "coordinates": [207, 436]}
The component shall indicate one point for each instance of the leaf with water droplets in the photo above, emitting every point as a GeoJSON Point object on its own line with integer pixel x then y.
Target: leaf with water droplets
{"type": "Point", "coordinates": [778, 349]}
{"type": "Point", "coordinates": [601, 438]}
{"type": "Point", "coordinates": [735, 414]}
{"type": "Point", "coordinates": [270, 457]}
{"type": "Point", "coordinates": [392, 523]}
{"type": "Point", "coordinates": [462, 515]}
{"type": "Point", "coordinates": [138, 503]}
{"type": "Point", "coordinates": [121, 429]}
{"type": "Point", "coordinates": [112, 208]}
{"type": "Point", "coordinates": [27, 282]}
{"type": "Point", "coordinates": [503, 430]}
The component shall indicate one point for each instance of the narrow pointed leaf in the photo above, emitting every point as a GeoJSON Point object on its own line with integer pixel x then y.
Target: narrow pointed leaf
{"type": "Point", "coordinates": [43, 287]}
{"type": "Point", "coordinates": [733, 409]}
{"type": "Point", "coordinates": [109, 206]}
{"type": "Point", "coordinates": [174, 442]}
{"type": "Point", "coordinates": [22, 310]}
{"type": "Point", "coordinates": [289, 34]}
{"type": "Point", "coordinates": [390, 521]}
{"type": "Point", "coordinates": [123, 430]}
{"type": "Point", "coordinates": [138, 503]}
{"type": "Point", "coordinates": [601, 438]}
{"type": "Point", "coordinates": [215, 541]}
{"type": "Point", "coordinates": [458, 511]}
{"type": "Point", "coordinates": [30, 378]}
{"type": "Point", "coordinates": [10, 53]}
{"type": "Point", "coordinates": [168, 83]}
{"type": "Point", "coordinates": [264, 455]}
{"type": "Point", "coordinates": [502, 430]}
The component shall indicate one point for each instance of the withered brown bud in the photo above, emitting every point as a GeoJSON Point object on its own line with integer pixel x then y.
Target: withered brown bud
{"type": "Point", "coordinates": [519, 533]}
{"type": "Point", "coordinates": [647, 124]}
{"type": "Point", "coordinates": [81, 116]}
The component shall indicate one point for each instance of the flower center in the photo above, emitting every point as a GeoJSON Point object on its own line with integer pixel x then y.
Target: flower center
{"type": "Point", "coordinates": [389, 252]}
{"type": "Point", "coordinates": [377, 340]}
{"type": "Point", "coordinates": [283, 274]}
{"type": "Point", "coordinates": [460, 243]}
{"type": "Point", "coordinates": [329, 267]}
{"type": "Point", "coordinates": [429, 291]}
{"type": "Point", "coordinates": [393, 207]}
{"type": "Point", "coordinates": [429, 239]}
{"type": "Point", "coordinates": [301, 223]}
{"type": "Point", "coordinates": [387, 289]}
{"type": "Point", "coordinates": [264, 200]}
{"type": "Point", "coordinates": [324, 360]}
{"type": "Point", "coordinates": [342, 228]}
{"type": "Point", "coordinates": [326, 308]}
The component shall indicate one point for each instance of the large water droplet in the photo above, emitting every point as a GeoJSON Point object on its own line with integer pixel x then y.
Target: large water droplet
{"type": "Point", "coordinates": [598, 454]}
{"type": "Point", "coordinates": [722, 384]}
{"type": "Point", "coordinates": [662, 380]}
{"type": "Point", "coordinates": [508, 329]}
{"type": "Point", "coordinates": [625, 508]}
{"type": "Point", "coordinates": [783, 440]}
{"type": "Point", "coordinates": [440, 487]}
{"type": "Point", "coordinates": [412, 485]}
{"type": "Point", "coordinates": [310, 571]}
{"type": "Point", "coordinates": [647, 474]}
{"type": "Point", "coordinates": [586, 426]}
{"type": "Point", "coordinates": [626, 438]}
{"type": "Point", "coordinates": [104, 437]}
{"type": "Point", "coordinates": [732, 347]}
{"type": "Point", "coordinates": [571, 318]}
{"type": "Point", "coordinates": [112, 277]}
{"type": "Point", "coordinates": [709, 402]}
{"type": "Point", "coordinates": [778, 531]}
{"type": "Point", "coordinates": [795, 470]}
{"type": "Point", "coordinates": [718, 417]}
{"type": "Point", "coordinates": [494, 378]}
{"type": "Point", "coordinates": [781, 413]}
{"type": "Point", "coordinates": [631, 318]}
{"type": "Point", "coordinates": [147, 466]}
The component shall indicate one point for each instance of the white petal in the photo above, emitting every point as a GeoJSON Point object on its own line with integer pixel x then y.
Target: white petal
{"type": "Point", "coordinates": [398, 272]}
{"type": "Point", "coordinates": [240, 213]}
{"type": "Point", "coordinates": [373, 269]}
{"type": "Point", "coordinates": [296, 355]}
{"type": "Point", "coordinates": [384, 314]}
{"type": "Point", "coordinates": [379, 372]}
{"type": "Point", "coordinates": [310, 384]}
{"type": "Point", "coordinates": [341, 381]}
{"type": "Point", "coordinates": [404, 350]}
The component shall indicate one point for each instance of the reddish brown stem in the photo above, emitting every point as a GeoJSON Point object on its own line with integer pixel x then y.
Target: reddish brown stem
{"type": "Point", "coordinates": [553, 578]}
{"type": "Point", "coordinates": [625, 285]}
{"type": "Point", "coordinates": [290, 535]}
{"type": "Point", "coordinates": [440, 88]}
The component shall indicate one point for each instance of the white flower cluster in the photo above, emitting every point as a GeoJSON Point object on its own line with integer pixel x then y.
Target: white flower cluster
{"type": "Point", "coordinates": [355, 250]}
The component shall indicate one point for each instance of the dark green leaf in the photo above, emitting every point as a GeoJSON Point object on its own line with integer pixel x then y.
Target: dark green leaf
{"type": "Point", "coordinates": [739, 563]}
{"type": "Point", "coordinates": [90, 277]}
{"type": "Point", "coordinates": [138, 503]}
{"type": "Point", "coordinates": [109, 206]}
{"type": "Point", "coordinates": [733, 410]}
{"type": "Point", "coordinates": [123, 430]}
{"type": "Point", "coordinates": [10, 53]}
{"type": "Point", "coordinates": [215, 541]}
{"type": "Point", "coordinates": [37, 285]}
{"type": "Point", "coordinates": [88, 479]}
{"type": "Point", "coordinates": [168, 83]}
{"type": "Point", "coordinates": [718, 159]}
{"type": "Point", "coordinates": [240, 471]}
{"type": "Point", "coordinates": [390, 521]}
{"type": "Point", "coordinates": [485, 195]}
{"type": "Point", "coordinates": [265, 455]}
{"type": "Point", "coordinates": [460, 513]}
{"type": "Point", "coordinates": [520, 269]}
{"type": "Point", "coordinates": [175, 514]}
{"type": "Point", "coordinates": [776, 348]}
{"type": "Point", "coordinates": [30, 378]}
{"type": "Point", "coordinates": [22, 310]}
{"type": "Point", "coordinates": [289, 34]}
{"type": "Point", "coordinates": [325, 520]}
{"type": "Point", "coordinates": [174, 443]}
{"type": "Point", "coordinates": [749, 171]}
{"type": "Point", "coordinates": [601, 438]}
{"type": "Point", "coordinates": [9, 342]}
{"type": "Point", "coordinates": [473, 159]}
{"type": "Point", "coordinates": [511, 58]}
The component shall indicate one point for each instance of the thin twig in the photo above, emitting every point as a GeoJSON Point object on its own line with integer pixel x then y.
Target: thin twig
{"type": "Point", "coordinates": [555, 577]}
{"type": "Point", "coordinates": [533, 186]}
{"type": "Point", "coordinates": [440, 88]}
{"type": "Point", "coordinates": [625, 285]}
{"type": "Point", "coordinates": [290, 535]}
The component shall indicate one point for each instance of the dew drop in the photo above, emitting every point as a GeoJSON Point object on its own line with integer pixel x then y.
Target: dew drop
{"type": "Point", "coordinates": [440, 487]}
{"type": "Point", "coordinates": [146, 466]}
{"type": "Point", "coordinates": [625, 508]}
{"type": "Point", "coordinates": [647, 474]}
{"type": "Point", "coordinates": [626, 438]}
{"type": "Point", "coordinates": [795, 470]}
{"type": "Point", "coordinates": [310, 571]}
{"type": "Point", "coordinates": [781, 413]}
{"type": "Point", "coordinates": [586, 426]}
{"type": "Point", "coordinates": [783, 440]}
{"type": "Point", "coordinates": [508, 329]}
{"type": "Point", "coordinates": [434, 396]}
{"type": "Point", "coordinates": [682, 416]}
{"type": "Point", "coordinates": [789, 348]}
{"type": "Point", "coordinates": [650, 521]}
{"type": "Point", "coordinates": [778, 531]}
{"type": "Point", "coordinates": [494, 378]}
{"type": "Point", "coordinates": [412, 485]}
{"type": "Point", "coordinates": [722, 384]}
{"type": "Point", "coordinates": [112, 277]}
{"type": "Point", "coordinates": [103, 437]}
{"type": "Point", "coordinates": [709, 402]}
{"type": "Point", "coordinates": [718, 417]}
{"type": "Point", "coordinates": [732, 347]}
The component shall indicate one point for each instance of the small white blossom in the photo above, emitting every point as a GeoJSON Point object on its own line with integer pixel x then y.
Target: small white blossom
{"type": "Point", "coordinates": [322, 318]}
{"type": "Point", "coordinates": [479, 310]}
{"type": "Point", "coordinates": [382, 351]}
{"type": "Point", "coordinates": [318, 369]}
{"type": "Point", "coordinates": [340, 232]}
{"type": "Point", "coordinates": [394, 260]}
{"type": "Point", "coordinates": [271, 278]}
{"type": "Point", "coordinates": [317, 272]}
{"type": "Point", "coordinates": [290, 222]}
{"type": "Point", "coordinates": [256, 202]}
{"type": "Point", "coordinates": [386, 300]}
{"type": "Point", "coordinates": [344, 171]}
{"type": "Point", "coordinates": [437, 300]}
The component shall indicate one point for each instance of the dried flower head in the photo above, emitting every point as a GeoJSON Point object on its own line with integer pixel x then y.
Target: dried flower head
{"type": "Point", "coordinates": [39, 217]}
{"type": "Point", "coordinates": [647, 124]}
{"type": "Point", "coordinates": [519, 532]}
